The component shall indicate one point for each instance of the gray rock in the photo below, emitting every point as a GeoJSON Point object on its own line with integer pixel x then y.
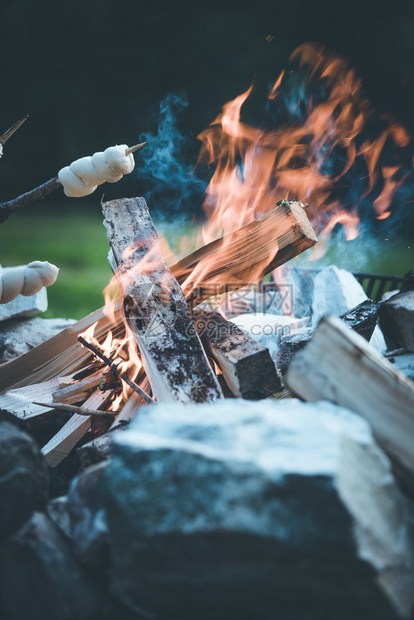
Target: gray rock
{"type": "Point", "coordinates": [336, 291]}
{"type": "Point", "coordinates": [23, 479]}
{"type": "Point", "coordinates": [97, 450]}
{"type": "Point", "coordinates": [257, 510]}
{"type": "Point", "coordinates": [18, 336]}
{"type": "Point", "coordinates": [89, 529]}
{"type": "Point", "coordinates": [397, 320]}
{"type": "Point", "coordinates": [24, 306]}
{"type": "Point", "coordinates": [404, 363]}
{"type": "Point", "coordinates": [58, 511]}
{"type": "Point", "coordinates": [40, 578]}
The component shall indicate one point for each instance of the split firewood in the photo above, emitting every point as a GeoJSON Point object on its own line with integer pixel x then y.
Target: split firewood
{"type": "Point", "coordinates": [58, 448]}
{"type": "Point", "coordinates": [63, 355]}
{"type": "Point", "coordinates": [109, 381]}
{"type": "Point", "coordinates": [81, 178]}
{"type": "Point", "coordinates": [19, 402]}
{"type": "Point", "coordinates": [246, 365]}
{"type": "Point", "coordinates": [340, 366]}
{"type": "Point", "coordinates": [397, 320]}
{"type": "Point", "coordinates": [247, 254]}
{"type": "Point", "coordinates": [155, 308]}
{"type": "Point", "coordinates": [66, 394]}
{"type": "Point", "coordinates": [60, 355]}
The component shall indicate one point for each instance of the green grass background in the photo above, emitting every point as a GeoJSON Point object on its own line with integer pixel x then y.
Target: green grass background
{"type": "Point", "coordinates": [75, 240]}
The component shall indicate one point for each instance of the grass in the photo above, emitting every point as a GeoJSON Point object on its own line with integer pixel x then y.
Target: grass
{"type": "Point", "coordinates": [76, 242]}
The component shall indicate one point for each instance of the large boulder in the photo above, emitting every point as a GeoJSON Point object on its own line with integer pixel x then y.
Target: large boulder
{"type": "Point", "coordinates": [40, 578]}
{"type": "Point", "coordinates": [257, 510]}
{"type": "Point", "coordinates": [23, 479]}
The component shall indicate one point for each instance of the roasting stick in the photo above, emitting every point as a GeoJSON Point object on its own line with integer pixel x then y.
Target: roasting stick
{"type": "Point", "coordinates": [115, 370]}
{"type": "Point", "coordinates": [9, 207]}
{"type": "Point", "coordinates": [78, 410]}
{"type": "Point", "coordinates": [8, 134]}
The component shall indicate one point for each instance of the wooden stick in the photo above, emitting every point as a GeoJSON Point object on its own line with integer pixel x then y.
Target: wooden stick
{"type": "Point", "coordinates": [8, 134]}
{"type": "Point", "coordinates": [340, 366]}
{"type": "Point", "coordinates": [246, 365]}
{"type": "Point", "coordinates": [155, 308]}
{"type": "Point", "coordinates": [7, 208]}
{"type": "Point", "coordinates": [76, 409]}
{"type": "Point", "coordinates": [115, 370]}
{"type": "Point", "coordinates": [134, 149]}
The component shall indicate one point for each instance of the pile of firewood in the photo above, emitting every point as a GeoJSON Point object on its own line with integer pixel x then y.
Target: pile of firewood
{"type": "Point", "coordinates": [183, 358]}
{"type": "Point", "coordinates": [187, 351]}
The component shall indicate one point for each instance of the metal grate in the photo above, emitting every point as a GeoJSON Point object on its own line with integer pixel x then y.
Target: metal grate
{"type": "Point", "coordinates": [375, 284]}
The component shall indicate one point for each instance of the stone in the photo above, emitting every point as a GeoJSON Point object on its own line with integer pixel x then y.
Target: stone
{"type": "Point", "coordinates": [23, 479]}
{"type": "Point", "coordinates": [335, 292]}
{"type": "Point", "coordinates": [58, 511]}
{"type": "Point", "coordinates": [397, 320]}
{"type": "Point", "coordinates": [24, 306]}
{"type": "Point", "coordinates": [97, 450]}
{"type": "Point", "coordinates": [270, 329]}
{"type": "Point", "coordinates": [40, 578]}
{"type": "Point", "coordinates": [404, 363]}
{"type": "Point", "coordinates": [19, 336]}
{"type": "Point", "coordinates": [87, 514]}
{"type": "Point", "coordinates": [257, 510]}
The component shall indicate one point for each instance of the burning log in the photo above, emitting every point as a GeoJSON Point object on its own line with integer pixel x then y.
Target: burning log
{"type": "Point", "coordinates": [246, 365]}
{"type": "Point", "coordinates": [247, 254]}
{"type": "Point", "coordinates": [155, 307]}
{"type": "Point", "coordinates": [340, 366]}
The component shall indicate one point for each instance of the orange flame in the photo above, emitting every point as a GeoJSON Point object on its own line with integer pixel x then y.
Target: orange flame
{"type": "Point", "coordinates": [256, 167]}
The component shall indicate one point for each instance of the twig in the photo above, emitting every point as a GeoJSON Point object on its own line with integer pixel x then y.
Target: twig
{"type": "Point", "coordinates": [7, 208]}
{"type": "Point", "coordinates": [115, 370]}
{"type": "Point", "coordinates": [76, 409]}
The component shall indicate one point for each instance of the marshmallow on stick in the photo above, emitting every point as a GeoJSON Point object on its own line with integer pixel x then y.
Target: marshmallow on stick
{"type": "Point", "coordinates": [84, 175]}
{"type": "Point", "coordinates": [25, 280]}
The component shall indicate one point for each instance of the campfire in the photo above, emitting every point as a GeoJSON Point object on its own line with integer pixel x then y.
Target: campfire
{"type": "Point", "coordinates": [233, 319]}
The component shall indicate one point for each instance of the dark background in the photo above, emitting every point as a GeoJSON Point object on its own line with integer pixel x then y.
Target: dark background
{"type": "Point", "coordinates": [91, 73]}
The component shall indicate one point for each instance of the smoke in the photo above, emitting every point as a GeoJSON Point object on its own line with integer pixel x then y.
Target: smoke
{"type": "Point", "coordinates": [165, 170]}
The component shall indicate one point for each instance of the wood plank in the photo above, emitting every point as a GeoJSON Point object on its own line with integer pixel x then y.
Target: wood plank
{"type": "Point", "coordinates": [340, 366]}
{"type": "Point", "coordinates": [247, 366]}
{"type": "Point", "coordinates": [155, 308]}
{"type": "Point", "coordinates": [58, 448]}
{"type": "Point", "coordinates": [19, 402]}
